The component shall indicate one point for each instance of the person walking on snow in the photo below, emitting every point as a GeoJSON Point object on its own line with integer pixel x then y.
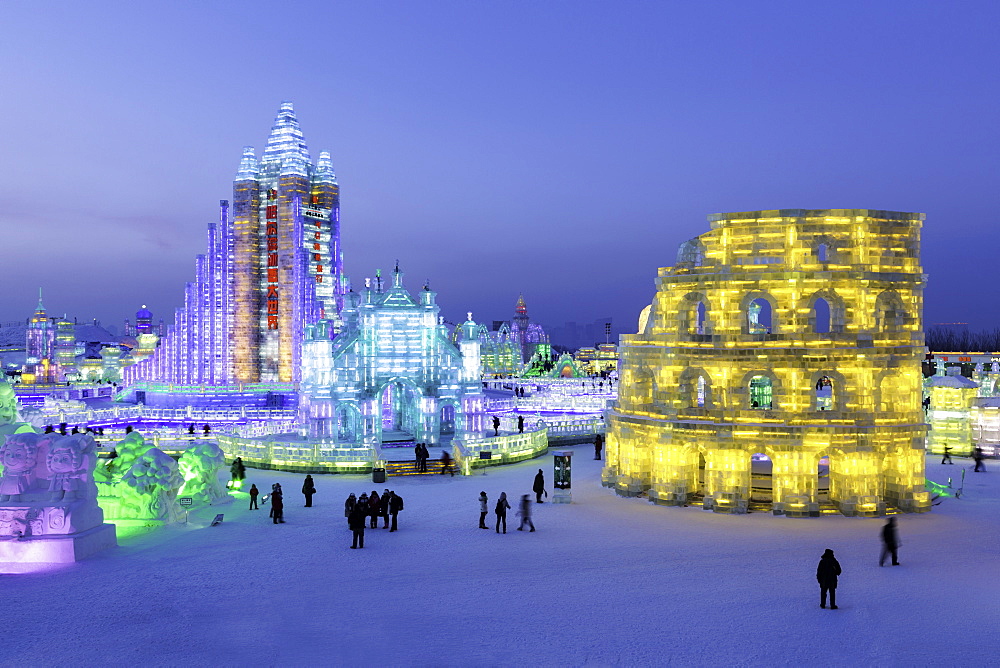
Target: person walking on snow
{"type": "Point", "coordinates": [446, 466]}
{"type": "Point", "coordinates": [277, 504]}
{"type": "Point", "coordinates": [501, 511]}
{"type": "Point", "coordinates": [598, 446]}
{"type": "Point", "coordinates": [525, 513]}
{"type": "Point", "coordinates": [483, 509]}
{"type": "Point", "coordinates": [977, 455]}
{"type": "Point", "coordinates": [826, 575]}
{"type": "Point", "coordinates": [253, 497]}
{"type": "Point", "coordinates": [383, 508]}
{"type": "Point", "coordinates": [308, 489]}
{"type": "Point", "coordinates": [539, 487]}
{"type": "Point", "coordinates": [890, 542]}
{"type": "Point", "coordinates": [946, 458]}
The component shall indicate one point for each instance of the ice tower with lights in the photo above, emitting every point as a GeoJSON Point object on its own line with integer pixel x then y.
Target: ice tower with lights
{"type": "Point", "coordinates": [780, 341]}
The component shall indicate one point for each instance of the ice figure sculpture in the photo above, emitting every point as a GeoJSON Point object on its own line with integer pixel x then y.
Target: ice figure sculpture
{"type": "Point", "coordinates": [140, 485]}
{"type": "Point", "coordinates": [48, 501]}
{"type": "Point", "coordinates": [199, 466]}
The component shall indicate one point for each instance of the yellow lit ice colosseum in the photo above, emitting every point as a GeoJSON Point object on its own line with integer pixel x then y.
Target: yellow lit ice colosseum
{"type": "Point", "coordinates": [789, 340]}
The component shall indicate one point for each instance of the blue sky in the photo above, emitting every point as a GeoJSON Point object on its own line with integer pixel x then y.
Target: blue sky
{"type": "Point", "coordinates": [559, 149]}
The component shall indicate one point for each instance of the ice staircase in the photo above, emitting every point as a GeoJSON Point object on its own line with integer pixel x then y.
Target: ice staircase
{"type": "Point", "coordinates": [410, 468]}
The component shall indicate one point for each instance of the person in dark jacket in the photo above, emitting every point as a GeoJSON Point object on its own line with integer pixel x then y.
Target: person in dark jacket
{"type": "Point", "coordinates": [496, 426]}
{"type": "Point", "coordinates": [826, 574]}
{"type": "Point", "coordinates": [446, 466]}
{"type": "Point", "coordinates": [253, 497]}
{"type": "Point", "coordinates": [373, 505]}
{"type": "Point", "coordinates": [308, 489]}
{"type": "Point", "coordinates": [598, 446]}
{"type": "Point", "coordinates": [977, 456]}
{"type": "Point", "coordinates": [349, 504]}
{"type": "Point", "coordinates": [383, 508]}
{"type": "Point", "coordinates": [425, 454]}
{"type": "Point", "coordinates": [277, 505]}
{"type": "Point", "coordinates": [395, 505]}
{"type": "Point", "coordinates": [539, 487]}
{"type": "Point", "coordinates": [520, 424]}
{"type": "Point", "coordinates": [483, 509]}
{"type": "Point", "coordinates": [890, 542]}
{"type": "Point", "coordinates": [356, 520]}
{"type": "Point", "coordinates": [501, 511]}
{"type": "Point", "coordinates": [946, 457]}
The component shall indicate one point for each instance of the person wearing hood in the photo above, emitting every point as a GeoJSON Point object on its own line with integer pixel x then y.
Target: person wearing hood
{"type": "Point", "coordinates": [826, 575]}
{"type": "Point", "coordinates": [483, 509]}
{"type": "Point", "coordinates": [501, 511]}
{"type": "Point", "coordinates": [253, 497]}
{"type": "Point", "coordinates": [349, 505]}
{"type": "Point", "coordinates": [308, 489]}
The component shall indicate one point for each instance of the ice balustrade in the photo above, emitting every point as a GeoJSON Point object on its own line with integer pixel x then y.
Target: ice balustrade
{"type": "Point", "coordinates": [315, 455]}
{"type": "Point", "coordinates": [505, 449]}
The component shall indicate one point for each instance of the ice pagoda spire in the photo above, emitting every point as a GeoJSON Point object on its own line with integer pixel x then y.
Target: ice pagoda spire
{"type": "Point", "coordinates": [41, 307]}
{"type": "Point", "coordinates": [286, 145]}
{"type": "Point", "coordinates": [521, 308]}
{"type": "Point", "coordinates": [248, 165]}
{"type": "Point", "coordinates": [324, 169]}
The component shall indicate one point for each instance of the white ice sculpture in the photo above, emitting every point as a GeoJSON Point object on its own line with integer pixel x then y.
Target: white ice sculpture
{"type": "Point", "coordinates": [199, 467]}
{"type": "Point", "coordinates": [140, 485]}
{"type": "Point", "coordinates": [48, 501]}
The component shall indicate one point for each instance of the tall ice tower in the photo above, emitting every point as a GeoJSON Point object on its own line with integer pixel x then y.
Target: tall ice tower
{"type": "Point", "coordinates": [287, 262]}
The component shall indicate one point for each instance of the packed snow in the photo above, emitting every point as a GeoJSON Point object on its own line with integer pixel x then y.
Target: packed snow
{"type": "Point", "coordinates": [603, 581]}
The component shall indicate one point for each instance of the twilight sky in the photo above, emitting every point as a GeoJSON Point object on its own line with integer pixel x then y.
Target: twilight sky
{"type": "Point", "coordinates": [559, 149]}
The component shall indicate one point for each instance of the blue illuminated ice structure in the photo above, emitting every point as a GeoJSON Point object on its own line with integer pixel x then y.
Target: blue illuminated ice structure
{"type": "Point", "coordinates": [391, 369]}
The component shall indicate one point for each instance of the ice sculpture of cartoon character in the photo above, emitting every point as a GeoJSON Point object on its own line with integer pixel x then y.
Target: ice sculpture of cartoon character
{"type": "Point", "coordinates": [8, 404]}
{"type": "Point", "coordinates": [200, 466]}
{"type": "Point", "coordinates": [149, 488]}
{"type": "Point", "coordinates": [19, 456]}
{"type": "Point", "coordinates": [67, 462]}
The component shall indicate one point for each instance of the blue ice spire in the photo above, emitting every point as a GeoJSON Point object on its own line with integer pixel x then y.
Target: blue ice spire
{"type": "Point", "coordinates": [324, 169]}
{"type": "Point", "coordinates": [248, 165]}
{"type": "Point", "coordinates": [286, 145]}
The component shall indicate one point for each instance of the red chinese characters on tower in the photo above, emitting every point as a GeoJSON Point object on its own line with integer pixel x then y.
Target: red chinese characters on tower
{"type": "Point", "coordinates": [271, 237]}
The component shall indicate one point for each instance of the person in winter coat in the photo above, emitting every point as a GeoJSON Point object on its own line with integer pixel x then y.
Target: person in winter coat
{"type": "Point", "coordinates": [395, 505]}
{"type": "Point", "coordinates": [253, 497]}
{"type": "Point", "coordinates": [277, 505]}
{"type": "Point", "coordinates": [356, 520]}
{"type": "Point", "coordinates": [349, 505]}
{"type": "Point", "coordinates": [520, 424]}
{"type": "Point", "coordinates": [890, 542]}
{"type": "Point", "coordinates": [826, 574]}
{"type": "Point", "coordinates": [383, 508]}
{"type": "Point", "coordinates": [525, 513]}
{"type": "Point", "coordinates": [539, 487]}
{"type": "Point", "coordinates": [501, 511]}
{"type": "Point", "coordinates": [598, 446]}
{"type": "Point", "coordinates": [308, 489]}
{"type": "Point", "coordinates": [483, 509]}
{"type": "Point", "coordinates": [237, 471]}
{"type": "Point", "coordinates": [373, 505]}
{"type": "Point", "coordinates": [446, 466]}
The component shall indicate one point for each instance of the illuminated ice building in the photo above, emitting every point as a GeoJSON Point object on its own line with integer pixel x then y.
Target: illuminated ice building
{"type": "Point", "coordinates": [273, 267]}
{"type": "Point", "coordinates": [391, 368]}
{"type": "Point", "coordinates": [780, 362]}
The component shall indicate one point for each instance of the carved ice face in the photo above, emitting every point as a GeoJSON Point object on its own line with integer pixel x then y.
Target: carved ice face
{"type": "Point", "coordinates": [63, 460]}
{"type": "Point", "coordinates": [18, 457]}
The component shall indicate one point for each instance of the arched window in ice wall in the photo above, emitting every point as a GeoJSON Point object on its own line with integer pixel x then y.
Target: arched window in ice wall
{"type": "Point", "coordinates": [761, 395]}
{"type": "Point", "coordinates": [821, 316]}
{"type": "Point", "coordinates": [824, 394]}
{"type": "Point", "coordinates": [759, 317]}
{"type": "Point", "coordinates": [699, 318]}
{"type": "Point", "coordinates": [822, 252]}
{"type": "Point", "coordinates": [700, 392]}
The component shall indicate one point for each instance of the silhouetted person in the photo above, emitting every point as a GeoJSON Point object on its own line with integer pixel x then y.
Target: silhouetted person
{"type": "Point", "coordinates": [977, 455]}
{"type": "Point", "coordinates": [62, 428]}
{"type": "Point", "coordinates": [598, 446]}
{"type": "Point", "coordinates": [308, 489]}
{"type": "Point", "coordinates": [826, 575]}
{"type": "Point", "coordinates": [496, 426]}
{"type": "Point", "coordinates": [446, 466]}
{"type": "Point", "coordinates": [75, 430]}
{"type": "Point", "coordinates": [277, 505]}
{"type": "Point", "coordinates": [395, 505]}
{"type": "Point", "coordinates": [890, 542]}
{"type": "Point", "coordinates": [501, 511]}
{"type": "Point", "coordinates": [128, 429]}
{"type": "Point", "coordinates": [191, 429]}
{"type": "Point", "coordinates": [425, 454]}
{"type": "Point", "coordinates": [253, 497]}
{"type": "Point", "coordinates": [946, 459]}
{"type": "Point", "coordinates": [520, 424]}
{"type": "Point", "coordinates": [49, 429]}
{"type": "Point", "coordinates": [356, 520]}
{"type": "Point", "coordinates": [349, 506]}
{"type": "Point", "coordinates": [207, 430]}
{"type": "Point", "coordinates": [539, 486]}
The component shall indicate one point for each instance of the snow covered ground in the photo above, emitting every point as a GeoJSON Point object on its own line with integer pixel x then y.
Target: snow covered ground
{"type": "Point", "coordinates": [604, 581]}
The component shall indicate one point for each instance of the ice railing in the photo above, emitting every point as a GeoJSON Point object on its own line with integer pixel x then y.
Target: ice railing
{"type": "Point", "coordinates": [315, 454]}
{"type": "Point", "coordinates": [570, 426]}
{"type": "Point", "coordinates": [505, 449]}
{"type": "Point", "coordinates": [40, 417]}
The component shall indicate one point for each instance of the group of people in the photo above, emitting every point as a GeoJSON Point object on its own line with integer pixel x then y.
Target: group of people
{"type": "Point", "coordinates": [829, 569]}
{"type": "Point", "coordinates": [503, 505]}
{"type": "Point", "coordinates": [422, 455]}
{"type": "Point", "coordinates": [977, 456]}
{"type": "Point", "coordinates": [367, 509]}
